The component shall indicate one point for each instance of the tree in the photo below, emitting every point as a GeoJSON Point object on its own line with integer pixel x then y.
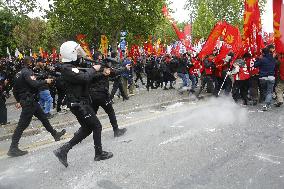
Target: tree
{"type": "Point", "coordinates": [22, 7]}
{"type": "Point", "coordinates": [229, 10]}
{"type": "Point", "coordinates": [109, 17]}
{"type": "Point", "coordinates": [29, 34]}
{"type": "Point", "coordinates": [7, 21]}
{"type": "Point", "coordinates": [204, 21]}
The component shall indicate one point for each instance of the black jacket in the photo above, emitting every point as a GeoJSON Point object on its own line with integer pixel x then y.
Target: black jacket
{"type": "Point", "coordinates": [266, 66]}
{"type": "Point", "coordinates": [77, 82]}
{"type": "Point", "coordinates": [25, 86]}
{"type": "Point", "coordinates": [99, 87]}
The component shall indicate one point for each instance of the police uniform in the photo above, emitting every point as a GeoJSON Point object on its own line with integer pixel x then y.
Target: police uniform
{"type": "Point", "coordinates": [3, 108]}
{"type": "Point", "coordinates": [78, 100]}
{"type": "Point", "coordinates": [99, 91]}
{"type": "Point", "coordinates": [25, 92]}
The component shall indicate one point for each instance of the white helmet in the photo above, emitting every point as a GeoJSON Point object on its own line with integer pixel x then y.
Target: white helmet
{"type": "Point", "coordinates": [70, 51]}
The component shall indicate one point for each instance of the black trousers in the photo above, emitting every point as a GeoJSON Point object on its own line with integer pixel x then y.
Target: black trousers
{"type": "Point", "coordinates": [89, 124]}
{"type": "Point", "coordinates": [107, 106]}
{"type": "Point", "coordinates": [139, 76]}
{"type": "Point", "coordinates": [30, 108]}
{"type": "Point", "coordinates": [60, 98]}
{"type": "Point", "coordinates": [117, 85]}
{"type": "Point", "coordinates": [227, 87]}
{"type": "Point", "coordinates": [209, 81]}
{"type": "Point", "coordinates": [240, 87]}
{"type": "Point", "coordinates": [254, 86]}
{"type": "Point", "coordinates": [3, 109]}
{"type": "Point", "coordinates": [53, 94]}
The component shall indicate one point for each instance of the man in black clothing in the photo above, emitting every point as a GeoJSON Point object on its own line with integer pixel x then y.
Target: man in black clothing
{"type": "Point", "coordinates": [139, 69]}
{"type": "Point", "coordinates": [77, 93]}
{"type": "Point", "coordinates": [3, 108]}
{"type": "Point", "coordinates": [25, 92]}
{"type": "Point", "coordinates": [99, 91]}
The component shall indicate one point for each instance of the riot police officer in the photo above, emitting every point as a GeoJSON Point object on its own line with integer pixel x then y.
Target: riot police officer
{"type": "Point", "coordinates": [99, 91]}
{"type": "Point", "coordinates": [25, 91]}
{"type": "Point", "coordinates": [77, 93]}
{"type": "Point", "coordinates": [3, 108]}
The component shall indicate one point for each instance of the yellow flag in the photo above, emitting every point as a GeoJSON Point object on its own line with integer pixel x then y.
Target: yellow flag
{"type": "Point", "coordinates": [104, 45]}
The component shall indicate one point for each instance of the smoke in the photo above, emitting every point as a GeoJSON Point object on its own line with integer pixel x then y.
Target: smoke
{"type": "Point", "coordinates": [214, 112]}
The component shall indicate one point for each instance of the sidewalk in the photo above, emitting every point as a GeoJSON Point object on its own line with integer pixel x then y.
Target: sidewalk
{"type": "Point", "coordinates": [143, 100]}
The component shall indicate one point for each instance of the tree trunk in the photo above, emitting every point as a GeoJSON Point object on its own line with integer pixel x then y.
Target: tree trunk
{"type": "Point", "coordinates": [114, 41]}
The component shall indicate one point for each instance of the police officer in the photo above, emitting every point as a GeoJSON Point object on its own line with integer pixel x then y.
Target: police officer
{"type": "Point", "coordinates": [25, 92]}
{"type": "Point", "coordinates": [99, 90]}
{"type": "Point", "coordinates": [77, 93]}
{"type": "Point", "coordinates": [3, 108]}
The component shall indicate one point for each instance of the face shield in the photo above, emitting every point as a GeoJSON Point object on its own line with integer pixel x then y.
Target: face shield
{"type": "Point", "coordinates": [80, 52]}
{"type": "Point", "coordinates": [71, 51]}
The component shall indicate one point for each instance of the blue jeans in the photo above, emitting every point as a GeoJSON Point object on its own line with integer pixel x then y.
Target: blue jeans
{"type": "Point", "coordinates": [193, 80]}
{"type": "Point", "coordinates": [267, 87]}
{"type": "Point", "coordinates": [184, 78]}
{"type": "Point", "coordinates": [45, 101]}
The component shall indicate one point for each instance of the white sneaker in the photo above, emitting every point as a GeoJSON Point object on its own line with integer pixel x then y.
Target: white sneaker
{"type": "Point", "coordinates": [264, 108]}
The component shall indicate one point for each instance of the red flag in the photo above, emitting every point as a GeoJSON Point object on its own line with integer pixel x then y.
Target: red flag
{"type": "Point", "coordinates": [134, 52]}
{"type": "Point", "coordinates": [232, 41]}
{"type": "Point", "coordinates": [148, 48]}
{"type": "Point", "coordinates": [252, 26]}
{"type": "Point", "coordinates": [41, 52]}
{"type": "Point", "coordinates": [165, 11]}
{"type": "Point", "coordinates": [278, 9]}
{"type": "Point", "coordinates": [54, 54]}
{"type": "Point", "coordinates": [210, 44]}
{"type": "Point", "coordinates": [180, 34]}
{"type": "Point", "coordinates": [81, 39]}
{"type": "Point", "coordinates": [187, 30]}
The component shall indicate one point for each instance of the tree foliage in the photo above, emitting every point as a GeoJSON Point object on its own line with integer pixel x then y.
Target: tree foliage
{"type": "Point", "coordinates": [206, 13]}
{"type": "Point", "coordinates": [22, 7]}
{"type": "Point", "coordinates": [109, 17]}
{"type": "Point", "coordinates": [7, 21]}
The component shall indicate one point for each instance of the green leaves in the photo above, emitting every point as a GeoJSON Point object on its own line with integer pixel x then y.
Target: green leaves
{"type": "Point", "coordinates": [109, 17]}
{"type": "Point", "coordinates": [206, 13]}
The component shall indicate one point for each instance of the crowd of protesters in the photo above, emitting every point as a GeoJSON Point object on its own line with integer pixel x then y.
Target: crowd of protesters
{"type": "Point", "coordinates": [250, 79]}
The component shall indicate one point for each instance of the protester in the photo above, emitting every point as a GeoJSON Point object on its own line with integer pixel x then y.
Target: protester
{"type": "Point", "coordinates": [266, 65]}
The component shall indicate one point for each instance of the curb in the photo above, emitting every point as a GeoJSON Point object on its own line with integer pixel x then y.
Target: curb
{"type": "Point", "coordinates": [34, 131]}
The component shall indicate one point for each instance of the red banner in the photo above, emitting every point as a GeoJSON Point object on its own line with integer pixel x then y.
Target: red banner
{"type": "Point", "coordinates": [210, 44]}
{"type": "Point", "coordinates": [183, 36]}
{"type": "Point", "coordinates": [252, 26]}
{"type": "Point", "coordinates": [81, 39]}
{"type": "Point", "coordinates": [54, 54]}
{"type": "Point", "coordinates": [134, 53]}
{"type": "Point", "coordinates": [278, 9]}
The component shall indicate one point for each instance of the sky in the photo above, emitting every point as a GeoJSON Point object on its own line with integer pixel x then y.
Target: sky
{"type": "Point", "coordinates": [183, 15]}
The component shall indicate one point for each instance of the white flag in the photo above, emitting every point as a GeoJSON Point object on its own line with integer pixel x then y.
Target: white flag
{"type": "Point", "coordinates": [17, 53]}
{"type": "Point", "coordinates": [9, 54]}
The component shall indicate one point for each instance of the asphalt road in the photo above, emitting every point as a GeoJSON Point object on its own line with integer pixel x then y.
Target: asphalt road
{"type": "Point", "coordinates": [210, 144]}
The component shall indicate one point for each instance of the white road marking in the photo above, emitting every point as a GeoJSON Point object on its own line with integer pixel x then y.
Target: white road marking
{"type": "Point", "coordinates": [265, 158]}
{"type": "Point", "coordinates": [176, 138]}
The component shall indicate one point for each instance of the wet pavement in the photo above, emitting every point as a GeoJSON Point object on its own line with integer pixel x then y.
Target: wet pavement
{"type": "Point", "coordinates": [213, 143]}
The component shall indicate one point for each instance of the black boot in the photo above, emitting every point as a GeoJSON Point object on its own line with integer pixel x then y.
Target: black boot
{"type": "Point", "coordinates": [278, 104]}
{"type": "Point", "coordinates": [58, 135]}
{"type": "Point", "coordinates": [102, 155]}
{"type": "Point", "coordinates": [61, 153]}
{"type": "Point", "coordinates": [125, 98]}
{"type": "Point", "coordinates": [14, 151]}
{"type": "Point", "coordinates": [119, 132]}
